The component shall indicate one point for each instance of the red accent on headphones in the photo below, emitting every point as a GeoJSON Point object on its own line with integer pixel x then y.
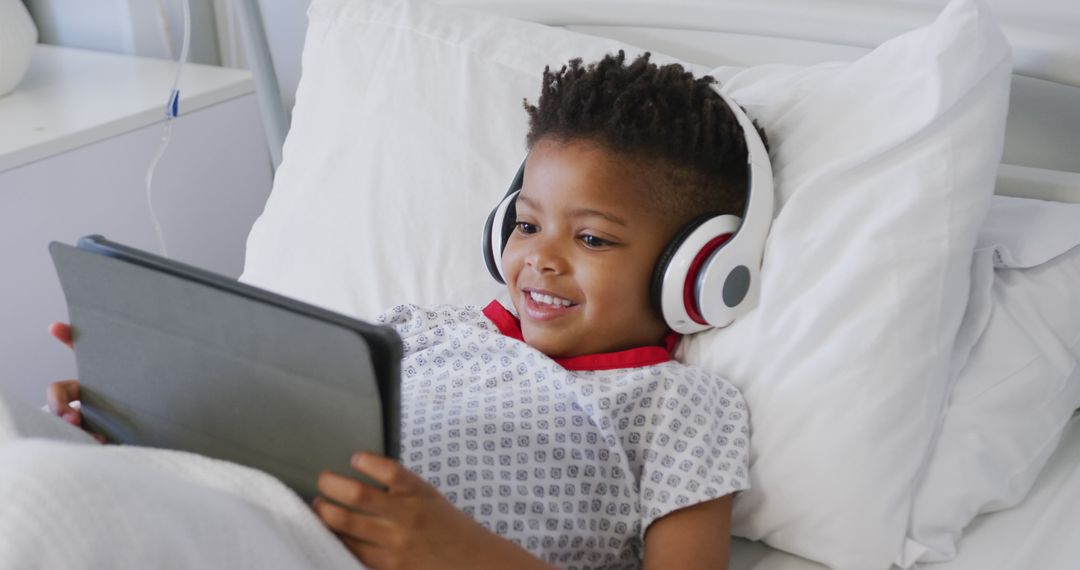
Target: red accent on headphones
{"type": "Point", "coordinates": [689, 298]}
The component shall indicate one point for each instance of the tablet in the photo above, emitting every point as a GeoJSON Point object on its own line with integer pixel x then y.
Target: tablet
{"type": "Point", "coordinates": [173, 356]}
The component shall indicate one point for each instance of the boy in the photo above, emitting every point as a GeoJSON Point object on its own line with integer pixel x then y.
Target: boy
{"type": "Point", "coordinates": [565, 434]}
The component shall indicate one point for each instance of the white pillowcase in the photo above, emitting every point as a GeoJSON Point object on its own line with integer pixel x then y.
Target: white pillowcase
{"type": "Point", "coordinates": [1021, 382]}
{"type": "Point", "coordinates": [885, 168]}
{"type": "Point", "coordinates": [1023, 232]}
{"type": "Point", "coordinates": [408, 128]}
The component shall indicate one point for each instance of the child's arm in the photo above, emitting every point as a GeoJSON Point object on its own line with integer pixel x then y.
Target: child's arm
{"type": "Point", "coordinates": [693, 537]}
{"type": "Point", "coordinates": [410, 525]}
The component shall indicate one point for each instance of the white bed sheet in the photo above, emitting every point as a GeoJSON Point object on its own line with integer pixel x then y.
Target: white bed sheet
{"type": "Point", "coordinates": [1041, 532]}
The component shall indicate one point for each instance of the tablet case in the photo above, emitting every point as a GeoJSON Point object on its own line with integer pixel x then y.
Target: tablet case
{"type": "Point", "coordinates": [175, 357]}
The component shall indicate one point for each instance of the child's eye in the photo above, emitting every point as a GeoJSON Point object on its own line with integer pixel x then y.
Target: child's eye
{"type": "Point", "coordinates": [527, 228]}
{"type": "Point", "coordinates": [594, 242]}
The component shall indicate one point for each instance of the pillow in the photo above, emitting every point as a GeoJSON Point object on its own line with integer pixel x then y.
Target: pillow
{"type": "Point", "coordinates": [884, 169]}
{"type": "Point", "coordinates": [380, 199]}
{"type": "Point", "coordinates": [1021, 382]}
{"type": "Point", "coordinates": [1023, 232]}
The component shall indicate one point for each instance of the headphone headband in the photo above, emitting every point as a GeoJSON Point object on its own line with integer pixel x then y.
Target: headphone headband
{"type": "Point", "coordinates": [757, 219]}
{"type": "Point", "coordinates": [693, 295]}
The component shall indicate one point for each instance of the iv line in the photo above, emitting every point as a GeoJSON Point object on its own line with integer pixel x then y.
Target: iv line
{"type": "Point", "coordinates": [172, 109]}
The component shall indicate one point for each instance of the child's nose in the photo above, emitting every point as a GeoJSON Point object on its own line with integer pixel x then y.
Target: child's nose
{"type": "Point", "coordinates": [546, 257]}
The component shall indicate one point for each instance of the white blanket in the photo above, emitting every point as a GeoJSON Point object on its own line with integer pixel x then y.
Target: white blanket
{"type": "Point", "coordinates": [70, 503]}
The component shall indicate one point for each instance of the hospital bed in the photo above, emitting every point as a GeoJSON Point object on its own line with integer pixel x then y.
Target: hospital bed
{"type": "Point", "coordinates": [955, 468]}
{"type": "Point", "coordinates": [770, 55]}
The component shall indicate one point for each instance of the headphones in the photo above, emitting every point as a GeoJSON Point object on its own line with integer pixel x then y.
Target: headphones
{"type": "Point", "coordinates": [709, 274]}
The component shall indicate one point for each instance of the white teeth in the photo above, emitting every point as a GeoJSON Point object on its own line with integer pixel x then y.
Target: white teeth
{"type": "Point", "coordinates": [549, 300]}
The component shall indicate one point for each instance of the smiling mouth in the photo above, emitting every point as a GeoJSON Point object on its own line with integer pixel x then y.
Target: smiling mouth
{"type": "Point", "coordinates": [543, 306]}
{"type": "Point", "coordinates": [551, 300]}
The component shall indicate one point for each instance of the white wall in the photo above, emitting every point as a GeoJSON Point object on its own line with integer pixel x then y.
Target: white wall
{"type": "Point", "coordinates": [285, 22]}
{"type": "Point", "coordinates": [128, 26]}
{"type": "Point", "coordinates": [286, 25]}
{"type": "Point", "coordinates": [132, 26]}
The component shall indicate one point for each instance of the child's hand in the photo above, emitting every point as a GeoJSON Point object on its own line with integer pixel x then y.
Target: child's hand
{"type": "Point", "coordinates": [61, 395]}
{"type": "Point", "coordinates": [410, 525]}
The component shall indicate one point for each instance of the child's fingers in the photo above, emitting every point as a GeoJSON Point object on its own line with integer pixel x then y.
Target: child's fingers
{"type": "Point", "coordinates": [62, 333]}
{"type": "Point", "coordinates": [59, 396]}
{"type": "Point", "coordinates": [366, 528]}
{"type": "Point", "coordinates": [353, 493]}
{"type": "Point", "coordinates": [388, 472]}
{"type": "Point", "coordinates": [62, 399]}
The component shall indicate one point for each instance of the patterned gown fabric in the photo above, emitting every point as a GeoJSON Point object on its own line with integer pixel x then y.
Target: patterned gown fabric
{"type": "Point", "coordinates": [571, 464]}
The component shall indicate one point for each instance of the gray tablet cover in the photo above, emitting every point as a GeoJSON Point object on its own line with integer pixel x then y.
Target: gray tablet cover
{"type": "Point", "coordinates": [166, 361]}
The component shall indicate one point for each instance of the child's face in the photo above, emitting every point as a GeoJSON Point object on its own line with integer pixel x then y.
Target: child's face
{"type": "Point", "coordinates": [588, 237]}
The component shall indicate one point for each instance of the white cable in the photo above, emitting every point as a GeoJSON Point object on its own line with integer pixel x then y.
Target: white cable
{"type": "Point", "coordinates": [172, 108]}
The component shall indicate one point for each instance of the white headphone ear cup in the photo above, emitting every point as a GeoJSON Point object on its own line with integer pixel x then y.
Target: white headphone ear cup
{"type": "Point", "coordinates": [497, 232]}
{"type": "Point", "coordinates": [487, 248]}
{"type": "Point", "coordinates": [726, 287]}
{"type": "Point", "coordinates": [708, 238]}
{"type": "Point", "coordinates": [656, 286]}
{"type": "Point", "coordinates": [500, 224]}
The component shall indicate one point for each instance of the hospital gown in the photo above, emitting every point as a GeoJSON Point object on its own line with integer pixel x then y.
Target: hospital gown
{"type": "Point", "coordinates": [570, 459]}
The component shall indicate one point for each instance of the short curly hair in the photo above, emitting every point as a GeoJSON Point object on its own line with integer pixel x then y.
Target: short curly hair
{"type": "Point", "coordinates": [662, 117]}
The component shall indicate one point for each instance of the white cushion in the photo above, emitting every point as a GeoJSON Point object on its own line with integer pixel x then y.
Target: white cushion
{"type": "Point", "coordinates": [1021, 382]}
{"type": "Point", "coordinates": [408, 127]}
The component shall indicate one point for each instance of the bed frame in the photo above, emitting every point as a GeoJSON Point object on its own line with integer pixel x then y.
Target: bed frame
{"type": "Point", "coordinates": [1042, 143]}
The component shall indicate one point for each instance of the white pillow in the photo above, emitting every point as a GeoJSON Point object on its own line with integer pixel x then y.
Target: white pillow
{"type": "Point", "coordinates": [1020, 384]}
{"type": "Point", "coordinates": [1023, 232]}
{"type": "Point", "coordinates": [885, 170]}
{"type": "Point", "coordinates": [408, 128]}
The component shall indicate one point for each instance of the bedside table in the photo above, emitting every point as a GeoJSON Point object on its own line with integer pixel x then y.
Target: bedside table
{"type": "Point", "coordinates": [76, 139]}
